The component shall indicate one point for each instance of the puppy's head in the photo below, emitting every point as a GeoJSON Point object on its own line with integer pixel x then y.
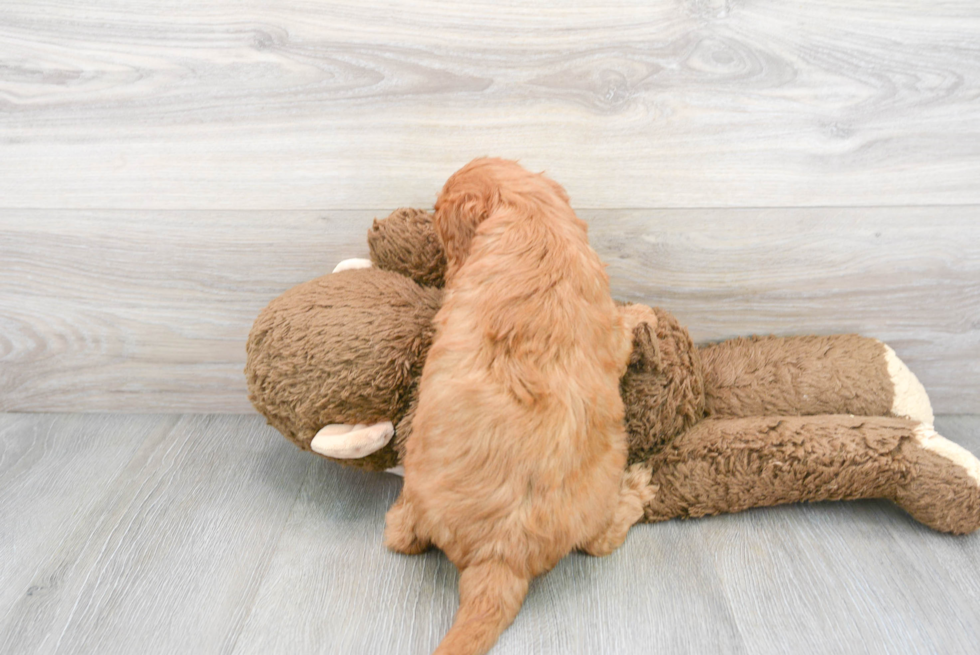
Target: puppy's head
{"type": "Point", "coordinates": [476, 191]}
{"type": "Point", "coordinates": [470, 195]}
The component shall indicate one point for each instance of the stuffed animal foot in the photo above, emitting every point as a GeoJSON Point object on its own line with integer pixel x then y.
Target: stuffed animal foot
{"type": "Point", "coordinates": [636, 491]}
{"type": "Point", "coordinates": [342, 441]}
{"type": "Point", "coordinates": [825, 375]}
{"type": "Point", "coordinates": [944, 490]}
{"type": "Point", "coordinates": [911, 399]}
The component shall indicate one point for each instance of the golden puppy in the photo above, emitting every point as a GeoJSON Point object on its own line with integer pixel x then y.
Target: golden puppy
{"type": "Point", "coordinates": [518, 449]}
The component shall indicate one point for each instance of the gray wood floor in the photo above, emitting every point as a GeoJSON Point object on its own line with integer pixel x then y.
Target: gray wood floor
{"type": "Point", "coordinates": [212, 534]}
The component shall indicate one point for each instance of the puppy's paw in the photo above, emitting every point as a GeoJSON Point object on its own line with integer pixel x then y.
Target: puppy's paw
{"type": "Point", "coordinates": [400, 529]}
{"type": "Point", "coordinates": [635, 491]}
{"type": "Point", "coordinates": [638, 489]}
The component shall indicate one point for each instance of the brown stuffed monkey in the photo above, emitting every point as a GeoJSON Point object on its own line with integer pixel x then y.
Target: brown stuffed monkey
{"type": "Point", "coordinates": [334, 365]}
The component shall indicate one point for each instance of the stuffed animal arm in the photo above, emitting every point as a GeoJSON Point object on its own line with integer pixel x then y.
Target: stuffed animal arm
{"type": "Point", "coordinates": [334, 364]}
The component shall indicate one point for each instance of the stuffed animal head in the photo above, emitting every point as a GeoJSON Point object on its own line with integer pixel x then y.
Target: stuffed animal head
{"type": "Point", "coordinates": [349, 348]}
{"type": "Point", "coordinates": [406, 243]}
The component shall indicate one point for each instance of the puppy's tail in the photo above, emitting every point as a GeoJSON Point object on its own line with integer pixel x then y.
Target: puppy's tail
{"type": "Point", "coordinates": [490, 595]}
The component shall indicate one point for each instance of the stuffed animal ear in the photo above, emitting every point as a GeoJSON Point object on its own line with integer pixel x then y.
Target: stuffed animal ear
{"type": "Point", "coordinates": [646, 348]}
{"type": "Point", "coordinates": [406, 243]}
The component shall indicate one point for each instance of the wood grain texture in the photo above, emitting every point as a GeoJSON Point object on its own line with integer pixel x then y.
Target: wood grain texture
{"type": "Point", "coordinates": [149, 311]}
{"type": "Point", "coordinates": [56, 473]}
{"type": "Point", "coordinates": [909, 277]}
{"type": "Point", "coordinates": [261, 104]}
{"type": "Point", "coordinates": [163, 534]}
{"type": "Point", "coordinates": [165, 556]}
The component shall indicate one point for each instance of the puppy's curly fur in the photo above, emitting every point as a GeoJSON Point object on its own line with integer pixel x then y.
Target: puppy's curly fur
{"type": "Point", "coordinates": [518, 450]}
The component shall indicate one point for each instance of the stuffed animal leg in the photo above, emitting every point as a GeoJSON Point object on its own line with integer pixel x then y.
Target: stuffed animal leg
{"type": "Point", "coordinates": [756, 422]}
{"type": "Point", "coordinates": [840, 374]}
{"type": "Point", "coordinates": [726, 465]}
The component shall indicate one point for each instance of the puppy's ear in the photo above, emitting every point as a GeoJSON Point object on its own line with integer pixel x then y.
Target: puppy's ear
{"type": "Point", "coordinates": [457, 215]}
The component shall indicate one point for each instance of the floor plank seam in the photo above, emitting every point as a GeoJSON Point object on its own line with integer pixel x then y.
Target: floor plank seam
{"type": "Point", "coordinates": [267, 561]}
{"type": "Point", "coordinates": [111, 533]}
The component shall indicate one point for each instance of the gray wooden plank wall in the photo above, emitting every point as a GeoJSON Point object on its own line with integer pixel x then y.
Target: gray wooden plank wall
{"type": "Point", "coordinates": [310, 104]}
{"type": "Point", "coordinates": [149, 311]}
{"type": "Point", "coordinates": [168, 168]}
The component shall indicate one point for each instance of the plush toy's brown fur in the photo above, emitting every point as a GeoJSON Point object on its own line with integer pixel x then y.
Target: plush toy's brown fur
{"type": "Point", "coordinates": [344, 348]}
{"type": "Point", "coordinates": [740, 424]}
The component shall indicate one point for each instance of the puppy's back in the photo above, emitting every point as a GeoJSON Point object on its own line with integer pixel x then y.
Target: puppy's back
{"type": "Point", "coordinates": [518, 444]}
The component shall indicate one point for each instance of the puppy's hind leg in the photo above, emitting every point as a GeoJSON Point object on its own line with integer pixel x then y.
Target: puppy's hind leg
{"type": "Point", "coordinates": [635, 491]}
{"type": "Point", "coordinates": [401, 528]}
